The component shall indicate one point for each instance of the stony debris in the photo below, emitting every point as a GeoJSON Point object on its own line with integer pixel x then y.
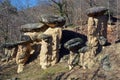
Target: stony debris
{"type": "Point", "coordinates": [106, 63]}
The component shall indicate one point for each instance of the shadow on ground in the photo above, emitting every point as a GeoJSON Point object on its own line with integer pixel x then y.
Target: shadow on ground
{"type": "Point", "coordinates": [67, 35]}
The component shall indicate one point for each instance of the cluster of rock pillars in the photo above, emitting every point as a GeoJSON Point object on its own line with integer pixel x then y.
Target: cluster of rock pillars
{"type": "Point", "coordinates": [48, 34]}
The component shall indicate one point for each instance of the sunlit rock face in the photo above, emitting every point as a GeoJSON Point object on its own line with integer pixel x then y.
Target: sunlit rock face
{"type": "Point", "coordinates": [50, 48]}
{"type": "Point", "coordinates": [97, 27]}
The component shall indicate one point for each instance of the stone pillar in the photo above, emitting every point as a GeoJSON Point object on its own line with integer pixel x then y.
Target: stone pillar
{"type": "Point", "coordinates": [73, 59]}
{"type": "Point", "coordinates": [23, 55]}
{"type": "Point", "coordinates": [24, 51]}
{"type": "Point", "coordinates": [56, 36]}
{"type": "Point", "coordinates": [55, 24]}
{"type": "Point", "coordinates": [97, 26]}
{"type": "Point", "coordinates": [46, 52]}
{"type": "Point", "coordinates": [73, 45]}
{"type": "Point", "coordinates": [92, 32]}
{"type": "Point", "coordinates": [10, 50]}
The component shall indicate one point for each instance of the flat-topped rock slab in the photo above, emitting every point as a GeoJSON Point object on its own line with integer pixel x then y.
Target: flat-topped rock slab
{"type": "Point", "coordinates": [33, 27]}
{"type": "Point", "coordinates": [53, 19]}
{"type": "Point", "coordinates": [74, 44]}
{"type": "Point", "coordinates": [96, 11]}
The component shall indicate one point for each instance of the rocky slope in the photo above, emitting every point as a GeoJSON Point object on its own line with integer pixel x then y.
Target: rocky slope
{"type": "Point", "coordinates": [109, 69]}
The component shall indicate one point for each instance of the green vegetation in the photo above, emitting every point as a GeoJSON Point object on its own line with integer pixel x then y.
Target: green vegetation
{"type": "Point", "coordinates": [39, 74]}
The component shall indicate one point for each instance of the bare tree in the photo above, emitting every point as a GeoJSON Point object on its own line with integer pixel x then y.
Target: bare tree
{"type": "Point", "coordinates": [6, 11]}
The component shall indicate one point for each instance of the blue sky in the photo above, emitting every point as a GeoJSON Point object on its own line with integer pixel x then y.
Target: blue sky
{"type": "Point", "coordinates": [23, 4]}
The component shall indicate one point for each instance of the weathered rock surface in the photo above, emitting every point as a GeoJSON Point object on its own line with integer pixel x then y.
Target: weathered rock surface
{"type": "Point", "coordinates": [95, 11]}
{"type": "Point", "coordinates": [108, 67]}
{"type": "Point", "coordinates": [74, 44]}
{"type": "Point", "coordinates": [55, 19]}
{"type": "Point", "coordinates": [33, 27]}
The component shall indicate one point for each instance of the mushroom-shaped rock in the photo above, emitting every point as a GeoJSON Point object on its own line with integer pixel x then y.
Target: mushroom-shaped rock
{"type": "Point", "coordinates": [44, 37]}
{"type": "Point", "coordinates": [96, 11]}
{"type": "Point", "coordinates": [74, 44]}
{"type": "Point", "coordinates": [33, 27]}
{"type": "Point", "coordinates": [53, 19]}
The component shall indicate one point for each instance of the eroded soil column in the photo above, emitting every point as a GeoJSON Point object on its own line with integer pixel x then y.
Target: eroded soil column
{"type": "Point", "coordinates": [97, 26]}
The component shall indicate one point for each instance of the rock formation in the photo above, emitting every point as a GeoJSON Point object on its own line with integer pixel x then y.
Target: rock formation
{"type": "Point", "coordinates": [45, 52]}
{"type": "Point", "coordinates": [10, 50]}
{"type": "Point", "coordinates": [97, 26]}
{"type": "Point", "coordinates": [33, 30]}
{"type": "Point", "coordinates": [23, 48]}
{"type": "Point", "coordinates": [73, 45]}
{"type": "Point", "coordinates": [55, 24]}
{"type": "Point", "coordinates": [48, 34]}
{"type": "Point", "coordinates": [30, 35]}
{"type": "Point", "coordinates": [23, 53]}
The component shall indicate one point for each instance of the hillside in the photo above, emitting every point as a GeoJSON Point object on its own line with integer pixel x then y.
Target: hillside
{"type": "Point", "coordinates": [32, 71]}
{"type": "Point", "coordinates": [107, 62]}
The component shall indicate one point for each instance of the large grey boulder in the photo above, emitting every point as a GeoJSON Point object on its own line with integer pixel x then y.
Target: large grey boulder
{"type": "Point", "coordinates": [96, 11]}
{"type": "Point", "coordinates": [74, 44]}
{"type": "Point", "coordinates": [33, 27]}
{"type": "Point", "coordinates": [53, 19]}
